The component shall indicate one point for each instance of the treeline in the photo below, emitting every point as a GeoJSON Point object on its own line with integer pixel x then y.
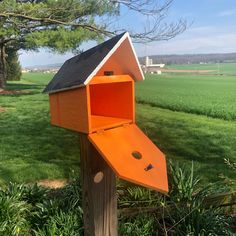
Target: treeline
{"type": "Point", "coordinates": [192, 58]}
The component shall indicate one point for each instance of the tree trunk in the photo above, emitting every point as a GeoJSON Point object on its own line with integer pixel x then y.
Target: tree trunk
{"type": "Point", "coordinates": [2, 67]}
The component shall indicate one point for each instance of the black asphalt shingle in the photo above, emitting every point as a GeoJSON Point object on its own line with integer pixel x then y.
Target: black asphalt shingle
{"type": "Point", "coordinates": [76, 70]}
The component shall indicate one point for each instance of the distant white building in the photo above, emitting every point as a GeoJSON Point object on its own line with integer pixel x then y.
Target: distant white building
{"type": "Point", "coordinates": [152, 68]}
{"type": "Point", "coordinates": [25, 70]}
{"type": "Point", "coordinates": [148, 61]}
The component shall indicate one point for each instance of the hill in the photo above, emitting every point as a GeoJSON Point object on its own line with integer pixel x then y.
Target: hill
{"type": "Point", "coordinates": [192, 58]}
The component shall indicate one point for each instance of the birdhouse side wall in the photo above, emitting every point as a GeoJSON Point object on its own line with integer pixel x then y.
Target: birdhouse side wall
{"type": "Point", "coordinates": [69, 109]}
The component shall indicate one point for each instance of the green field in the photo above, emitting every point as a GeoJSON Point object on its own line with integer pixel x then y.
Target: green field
{"type": "Point", "coordinates": [30, 149]}
{"type": "Point", "coordinates": [197, 94]}
{"type": "Point", "coordinates": [217, 68]}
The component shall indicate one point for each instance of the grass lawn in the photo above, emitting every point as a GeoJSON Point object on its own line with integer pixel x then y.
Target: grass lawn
{"type": "Point", "coordinates": [189, 137]}
{"type": "Point", "coordinates": [213, 96]}
{"type": "Point", "coordinates": [31, 149]}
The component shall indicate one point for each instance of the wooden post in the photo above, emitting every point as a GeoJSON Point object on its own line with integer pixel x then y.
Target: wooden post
{"type": "Point", "coordinates": [99, 192]}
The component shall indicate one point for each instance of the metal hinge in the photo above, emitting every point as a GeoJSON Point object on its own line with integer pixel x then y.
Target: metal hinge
{"type": "Point", "coordinates": [100, 131]}
{"type": "Point", "coordinates": [126, 125]}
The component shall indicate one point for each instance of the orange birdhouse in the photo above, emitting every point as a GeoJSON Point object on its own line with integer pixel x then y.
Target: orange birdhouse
{"type": "Point", "coordinates": [93, 93]}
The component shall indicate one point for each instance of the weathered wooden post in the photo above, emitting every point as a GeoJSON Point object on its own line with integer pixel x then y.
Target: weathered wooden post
{"type": "Point", "coordinates": [93, 94]}
{"type": "Point", "coordinates": [99, 192]}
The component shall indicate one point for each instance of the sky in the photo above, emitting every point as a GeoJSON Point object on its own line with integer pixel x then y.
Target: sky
{"type": "Point", "coordinates": [212, 29]}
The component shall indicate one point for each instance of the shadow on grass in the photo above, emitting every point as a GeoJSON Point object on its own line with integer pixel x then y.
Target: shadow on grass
{"type": "Point", "coordinates": [20, 86]}
{"type": "Point", "coordinates": [187, 140]}
{"type": "Point", "coordinates": [33, 150]}
{"type": "Point", "coordinates": [18, 90]}
{"type": "Point", "coordinates": [187, 145]}
{"type": "Point", "coordinates": [20, 94]}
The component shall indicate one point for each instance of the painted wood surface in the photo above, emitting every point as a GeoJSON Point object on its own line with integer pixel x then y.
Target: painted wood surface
{"type": "Point", "coordinates": [70, 110]}
{"type": "Point", "coordinates": [105, 103]}
{"type": "Point", "coordinates": [132, 156]}
{"type": "Point", "coordinates": [116, 54]}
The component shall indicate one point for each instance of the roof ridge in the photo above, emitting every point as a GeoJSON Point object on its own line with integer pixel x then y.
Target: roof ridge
{"type": "Point", "coordinates": [80, 69]}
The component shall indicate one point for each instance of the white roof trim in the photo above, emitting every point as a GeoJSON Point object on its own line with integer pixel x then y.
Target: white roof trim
{"type": "Point", "coordinates": [126, 35]}
{"type": "Point", "coordinates": [135, 55]}
{"type": "Point", "coordinates": [105, 59]}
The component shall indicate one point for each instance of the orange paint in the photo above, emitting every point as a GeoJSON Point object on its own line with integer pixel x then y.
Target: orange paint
{"type": "Point", "coordinates": [116, 147]}
{"type": "Point", "coordinates": [108, 101]}
{"type": "Point", "coordinates": [105, 109]}
{"type": "Point", "coordinates": [70, 110]}
{"type": "Point", "coordinates": [103, 122]}
{"type": "Point", "coordinates": [122, 62]}
{"type": "Point", "coordinates": [112, 100]}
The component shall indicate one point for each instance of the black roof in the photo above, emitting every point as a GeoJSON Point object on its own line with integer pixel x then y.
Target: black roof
{"type": "Point", "coordinates": [76, 70]}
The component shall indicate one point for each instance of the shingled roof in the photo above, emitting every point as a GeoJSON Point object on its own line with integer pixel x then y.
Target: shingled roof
{"type": "Point", "coordinates": [79, 70]}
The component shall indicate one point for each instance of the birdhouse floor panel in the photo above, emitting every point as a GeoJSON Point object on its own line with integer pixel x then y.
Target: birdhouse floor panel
{"type": "Point", "coordinates": [105, 122]}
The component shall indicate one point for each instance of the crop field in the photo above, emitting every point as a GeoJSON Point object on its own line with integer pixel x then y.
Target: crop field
{"type": "Point", "coordinates": [197, 94]}
{"type": "Point", "coordinates": [190, 118]}
{"type": "Point", "coordinates": [216, 68]}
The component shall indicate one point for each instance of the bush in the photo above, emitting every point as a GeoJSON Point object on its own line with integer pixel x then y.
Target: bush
{"type": "Point", "coordinates": [62, 223]}
{"type": "Point", "coordinates": [14, 214]}
{"type": "Point", "coordinates": [34, 210]}
{"type": "Point", "coordinates": [183, 212]}
{"type": "Point", "coordinates": [142, 225]}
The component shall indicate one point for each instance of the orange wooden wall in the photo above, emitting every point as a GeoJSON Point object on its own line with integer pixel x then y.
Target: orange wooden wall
{"type": "Point", "coordinates": [113, 100]}
{"type": "Point", "coordinates": [105, 96]}
{"type": "Point", "coordinates": [69, 109]}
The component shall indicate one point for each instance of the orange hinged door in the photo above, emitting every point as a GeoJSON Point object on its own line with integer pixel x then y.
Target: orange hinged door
{"type": "Point", "coordinates": [133, 156]}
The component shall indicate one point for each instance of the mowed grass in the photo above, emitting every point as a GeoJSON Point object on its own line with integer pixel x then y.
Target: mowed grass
{"type": "Point", "coordinates": [187, 137]}
{"type": "Point", "coordinates": [213, 96]}
{"type": "Point", "coordinates": [31, 149]}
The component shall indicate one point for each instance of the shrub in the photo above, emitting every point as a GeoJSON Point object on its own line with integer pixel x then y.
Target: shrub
{"type": "Point", "coordinates": [62, 223]}
{"type": "Point", "coordinates": [142, 225]}
{"type": "Point", "coordinates": [13, 216]}
{"type": "Point", "coordinates": [183, 212]}
{"type": "Point", "coordinates": [34, 210]}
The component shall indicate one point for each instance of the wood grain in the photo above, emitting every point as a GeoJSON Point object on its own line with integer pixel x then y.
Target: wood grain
{"type": "Point", "coordinates": [99, 199]}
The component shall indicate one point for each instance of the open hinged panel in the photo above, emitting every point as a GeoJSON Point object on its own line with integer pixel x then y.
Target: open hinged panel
{"type": "Point", "coordinates": [132, 156]}
{"type": "Point", "coordinates": [111, 102]}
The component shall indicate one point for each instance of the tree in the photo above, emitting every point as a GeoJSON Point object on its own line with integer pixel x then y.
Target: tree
{"type": "Point", "coordinates": [13, 68]}
{"type": "Point", "coordinates": [62, 25]}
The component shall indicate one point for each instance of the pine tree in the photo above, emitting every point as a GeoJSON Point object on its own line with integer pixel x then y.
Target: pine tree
{"type": "Point", "coordinates": [62, 25]}
{"type": "Point", "coordinates": [13, 65]}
